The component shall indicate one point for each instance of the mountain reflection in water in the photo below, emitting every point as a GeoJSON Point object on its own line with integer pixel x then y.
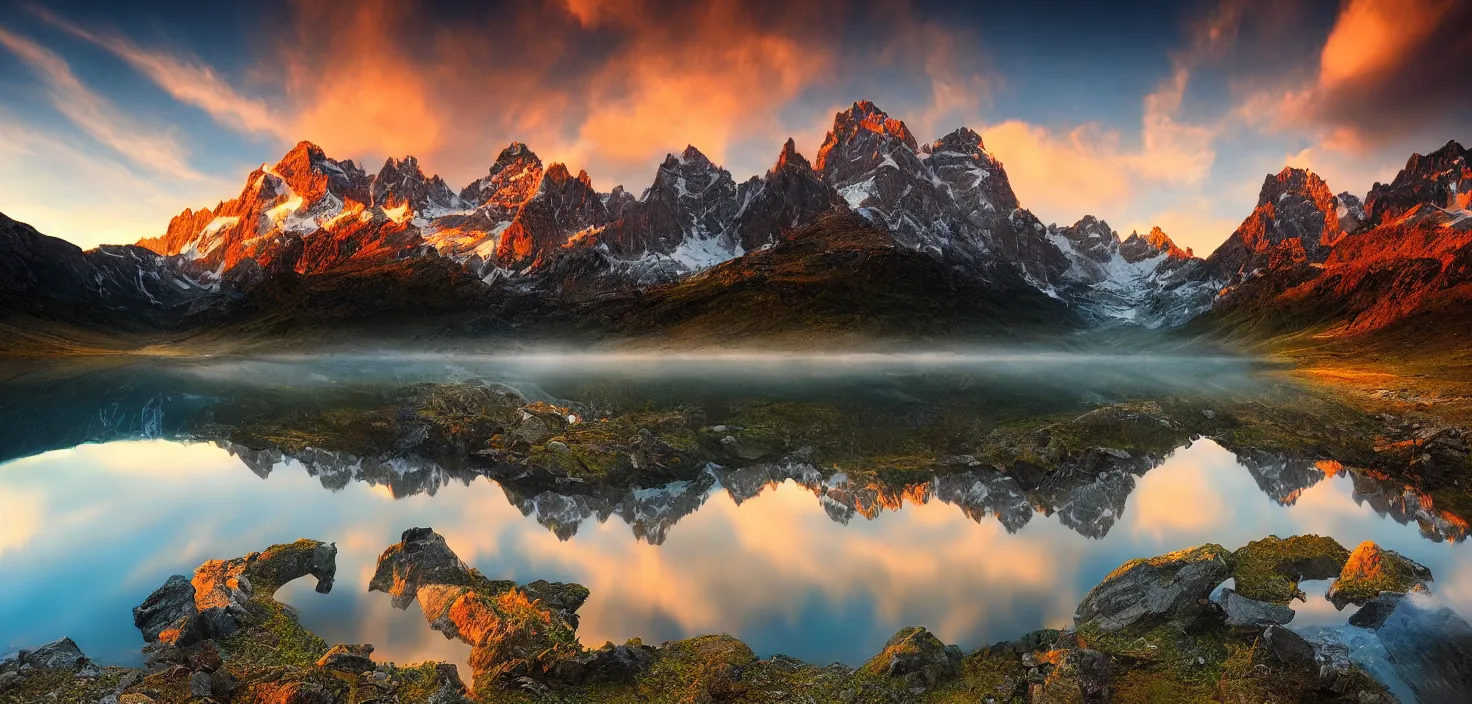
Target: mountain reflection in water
{"type": "Point", "coordinates": [819, 569]}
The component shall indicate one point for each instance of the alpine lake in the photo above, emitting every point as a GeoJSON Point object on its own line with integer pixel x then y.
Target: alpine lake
{"type": "Point", "coordinates": [810, 506]}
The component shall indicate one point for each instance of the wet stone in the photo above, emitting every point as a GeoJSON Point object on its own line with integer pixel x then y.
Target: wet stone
{"type": "Point", "coordinates": [1250, 613]}
{"type": "Point", "coordinates": [60, 654]}
{"type": "Point", "coordinates": [1373, 614]}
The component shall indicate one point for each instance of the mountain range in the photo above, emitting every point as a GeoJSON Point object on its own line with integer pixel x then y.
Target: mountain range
{"type": "Point", "coordinates": [878, 233]}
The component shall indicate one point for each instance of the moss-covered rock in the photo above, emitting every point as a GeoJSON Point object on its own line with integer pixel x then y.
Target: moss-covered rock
{"type": "Point", "coordinates": [525, 650]}
{"type": "Point", "coordinates": [1148, 591]}
{"type": "Point", "coordinates": [1371, 570]}
{"type": "Point", "coordinates": [1269, 569]}
{"type": "Point", "coordinates": [917, 656]}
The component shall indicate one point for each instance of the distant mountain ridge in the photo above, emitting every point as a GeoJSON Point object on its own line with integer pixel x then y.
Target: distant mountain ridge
{"type": "Point", "coordinates": [524, 221]}
{"type": "Point", "coordinates": [533, 230]}
{"type": "Point", "coordinates": [1400, 264]}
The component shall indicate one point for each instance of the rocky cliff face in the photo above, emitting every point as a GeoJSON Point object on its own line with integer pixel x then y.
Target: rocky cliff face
{"type": "Point", "coordinates": [1317, 262]}
{"type": "Point", "coordinates": [1296, 221]}
{"type": "Point", "coordinates": [401, 188]}
{"type": "Point", "coordinates": [1442, 179]}
{"type": "Point", "coordinates": [563, 212]}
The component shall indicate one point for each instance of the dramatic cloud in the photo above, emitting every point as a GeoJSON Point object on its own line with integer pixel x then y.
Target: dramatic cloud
{"type": "Point", "coordinates": [352, 86]}
{"type": "Point", "coordinates": [1172, 151]}
{"type": "Point", "coordinates": [1388, 68]}
{"type": "Point", "coordinates": [96, 115]}
{"type": "Point", "coordinates": [1060, 176]}
{"type": "Point", "coordinates": [610, 86]}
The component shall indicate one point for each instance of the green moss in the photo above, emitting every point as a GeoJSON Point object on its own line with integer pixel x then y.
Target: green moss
{"type": "Point", "coordinates": [1371, 570]}
{"type": "Point", "coordinates": [62, 687]}
{"type": "Point", "coordinates": [276, 639]}
{"type": "Point", "coordinates": [415, 683]}
{"type": "Point", "coordinates": [1269, 569]}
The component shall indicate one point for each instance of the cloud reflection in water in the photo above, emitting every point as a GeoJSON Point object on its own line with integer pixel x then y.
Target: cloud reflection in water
{"type": "Point", "coordinates": [87, 533]}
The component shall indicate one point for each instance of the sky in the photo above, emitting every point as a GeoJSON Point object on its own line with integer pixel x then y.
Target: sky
{"type": "Point", "coordinates": [118, 115]}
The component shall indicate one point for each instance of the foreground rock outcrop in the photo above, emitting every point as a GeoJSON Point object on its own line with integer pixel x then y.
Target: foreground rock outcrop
{"type": "Point", "coordinates": [1148, 633]}
{"type": "Point", "coordinates": [218, 600]}
{"type": "Point", "coordinates": [1146, 592]}
{"type": "Point", "coordinates": [1371, 571]}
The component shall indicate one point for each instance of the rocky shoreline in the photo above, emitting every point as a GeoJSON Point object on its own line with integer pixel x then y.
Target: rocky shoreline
{"type": "Point", "coordinates": [1155, 630]}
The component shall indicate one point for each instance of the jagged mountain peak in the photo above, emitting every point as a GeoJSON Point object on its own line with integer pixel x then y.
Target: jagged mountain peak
{"type": "Point", "coordinates": [401, 182]}
{"type": "Point", "coordinates": [962, 139]}
{"type": "Point", "coordinates": [790, 157]}
{"type": "Point", "coordinates": [511, 180]}
{"type": "Point", "coordinates": [1442, 178]}
{"type": "Point", "coordinates": [690, 155]}
{"type": "Point", "coordinates": [851, 126]}
{"type": "Point", "coordinates": [1294, 181]}
{"type": "Point", "coordinates": [409, 163]}
{"type": "Point", "coordinates": [1296, 221]}
{"type": "Point", "coordinates": [866, 115]}
{"type": "Point", "coordinates": [558, 175]}
{"type": "Point", "coordinates": [515, 150]}
{"type": "Point", "coordinates": [1137, 247]}
{"type": "Point", "coordinates": [1090, 237]}
{"type": "Point", "coordinates": [310, 173]}
{"type": "Point", "coordinates": [1093, 225]}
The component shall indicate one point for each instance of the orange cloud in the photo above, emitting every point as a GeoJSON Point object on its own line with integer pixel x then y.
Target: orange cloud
{"type": "Point", "coordinates": [606, 85]}
{"type": "Point", "coordinates": [1172, 151]}
{"type": "Point", "coordinates": [1073, 173]}
{"type": "Point", "coordinates": [1387, 68]}
{"type": "Point", "coordinates": [709, 80]}
{"type": "Point", "coordinates": [1372, 36]}
{"type": "Point", "coordinates": [352, 86]}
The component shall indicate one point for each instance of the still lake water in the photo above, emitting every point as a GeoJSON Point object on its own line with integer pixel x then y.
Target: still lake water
{"type": "Point", "coordinates": [88, 530]}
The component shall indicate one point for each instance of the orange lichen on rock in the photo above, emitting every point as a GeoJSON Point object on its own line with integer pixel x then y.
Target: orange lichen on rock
{"type": "Point", "coordinates": [1371, 570]}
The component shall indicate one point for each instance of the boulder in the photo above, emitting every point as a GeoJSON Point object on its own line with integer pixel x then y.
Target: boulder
{"type": "Point", "coordinates": [611, 663]}
{"type": "Point", "coordinates": [514, 632]}
{"type": "Point", "coordinates": [1431, 647]}
{"type": "Point", "coordinates": [1371, 570]}
{"type": "Point", "coordinates": [60, 654]}
{"type": "Point", "coordinates": [1146, 592]}
{"type": "Point", "coordinates": [215, 603]}
{"type": "Point", "coordinates": [1376, 610]}
{"type": "Point", "coordinates": [421, 558]}
{"type": "Point", "coordinates": [200, 685]}
{"type": "Point", "coordinates": [1251, 614]}
{"type": "Point", "coordinates": [1336, 671]}
{"type": "Point", "coordinates": [565, 597]}
{"type": "Point", "coordinates": [916, 655]}
{"type": "Point", "coordinates": [168, 613]}
{"type": "Point", "coordinates": [1282, 647]}
{"type": "Point", "coordinates": [539, 422]}
{"type": "Point", "coordinates": [348, 658]}
{"type": "Point", "coordinates": [1269, 569]}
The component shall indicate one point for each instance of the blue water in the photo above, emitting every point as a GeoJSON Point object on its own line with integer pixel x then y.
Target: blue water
{"type": "Point", "coordinates": [87, 532]}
